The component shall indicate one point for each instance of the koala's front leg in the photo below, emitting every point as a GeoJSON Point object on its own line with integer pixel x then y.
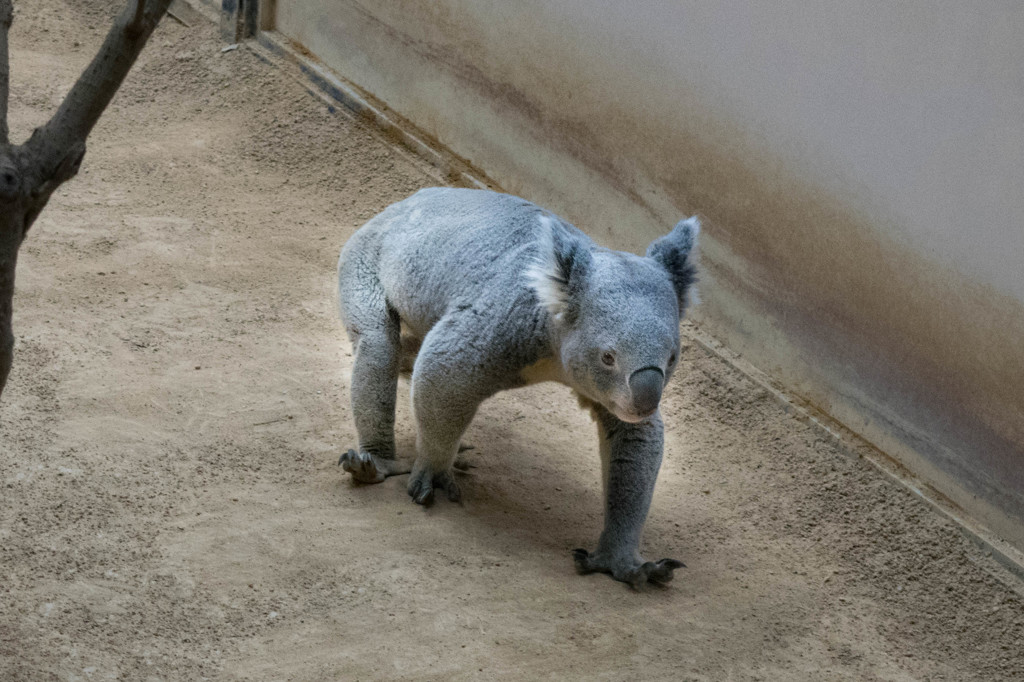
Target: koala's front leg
{"type": "Point", "coordinates": [442, 416]}
{"type": "Point", "coordinates": [448, 384]}
{"type": "Point", "coordinates": [631, 457]}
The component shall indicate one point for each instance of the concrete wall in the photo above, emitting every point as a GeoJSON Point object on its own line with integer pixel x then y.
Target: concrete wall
{"type": "Point", "coordinates": [859, 165]}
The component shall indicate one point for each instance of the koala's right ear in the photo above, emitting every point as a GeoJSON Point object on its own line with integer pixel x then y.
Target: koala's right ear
{"type": "Point", "coordinates": [558, 273]}
{"type": "Point", "coordinates": [675, 253]}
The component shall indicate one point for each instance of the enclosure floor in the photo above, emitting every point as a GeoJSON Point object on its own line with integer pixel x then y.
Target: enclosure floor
{"type": "Point", "coordinates": [171, 508]}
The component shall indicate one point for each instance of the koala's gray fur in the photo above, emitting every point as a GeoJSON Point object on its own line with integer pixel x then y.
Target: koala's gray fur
{"type": "Point", "coordinates": [500, 293]}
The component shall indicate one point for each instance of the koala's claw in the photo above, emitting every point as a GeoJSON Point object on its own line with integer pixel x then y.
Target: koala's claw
{"type": "Point", "coordinates": [658, 572]}
{"type": "Point", "coordinates": [454, 492]}
{"type": "Point", "coordinates": [361, 466]}
{"type": "Point", "coordinates": [422, 484]}
{"type": "Point", "coordinates": [367, 468]}
{"type": "Point", "coordinates": [422, 493]}
{"type": "Point", "coordinates": [661, 571]}
{"type": "Point", "coordinates": [581, 557]}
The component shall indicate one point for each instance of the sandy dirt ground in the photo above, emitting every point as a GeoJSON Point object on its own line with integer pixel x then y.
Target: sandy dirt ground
{"type": "Point", "coordinates": [170, 504]}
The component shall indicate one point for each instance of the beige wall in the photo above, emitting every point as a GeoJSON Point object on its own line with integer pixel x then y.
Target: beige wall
{"type": "Point", "coordinates": [860, 167]}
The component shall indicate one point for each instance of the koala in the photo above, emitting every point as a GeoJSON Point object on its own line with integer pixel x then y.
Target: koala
{"type": "Point", "coordinates": [498, 293]}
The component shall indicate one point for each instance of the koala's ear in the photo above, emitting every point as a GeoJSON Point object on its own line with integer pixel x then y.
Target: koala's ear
{"type": "Point", "coordinates": [559, 271]}
{"type": "Point", "coordinates": [675, 252]}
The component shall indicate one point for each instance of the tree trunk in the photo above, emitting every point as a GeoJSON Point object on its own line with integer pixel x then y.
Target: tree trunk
{"type": "Point", "coordinates": [6, 294]}
{"type": "Point", "coordinates": [29, 173]}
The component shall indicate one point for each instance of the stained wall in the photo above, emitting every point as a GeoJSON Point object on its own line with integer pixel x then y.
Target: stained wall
{"type": "Point", "coordinates": [859, 167]}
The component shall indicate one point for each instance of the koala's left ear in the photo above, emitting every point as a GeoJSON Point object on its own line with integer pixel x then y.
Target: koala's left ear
{"type": "Point", "coordinates": [675, 253]}
{"type": "Point", "coordinates": [558, 275]}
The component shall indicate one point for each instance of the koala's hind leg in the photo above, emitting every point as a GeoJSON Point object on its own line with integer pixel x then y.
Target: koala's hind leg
{"type": "Point", "coordinates": [373, 328]}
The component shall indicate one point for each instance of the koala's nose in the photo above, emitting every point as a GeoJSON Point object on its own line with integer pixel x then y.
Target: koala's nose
{"type": "Point", "coordinates": [646, 385]}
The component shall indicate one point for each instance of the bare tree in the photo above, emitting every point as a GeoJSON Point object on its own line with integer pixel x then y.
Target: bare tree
{"type": "Point", "coordinates": [30, 172]}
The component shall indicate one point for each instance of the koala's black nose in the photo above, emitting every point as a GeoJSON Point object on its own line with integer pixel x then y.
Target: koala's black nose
{"type": "Point", "coordinates": [646, 385]}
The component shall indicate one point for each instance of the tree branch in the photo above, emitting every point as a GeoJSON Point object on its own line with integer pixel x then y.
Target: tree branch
{"type": "Point", "coordinates": [97, 85]}
{"type": "Point", "coordinates": [6, 16]}
{"type": "Point", "coordinates": [29, 173]}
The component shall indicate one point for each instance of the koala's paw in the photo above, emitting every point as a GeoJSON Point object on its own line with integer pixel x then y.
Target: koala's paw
{"type": "Point", "coordinates": [636, 573]}
{"type": "Point", "coordinates": [423, 482]}
{"type": "Point", "coordinates": [367, 468]}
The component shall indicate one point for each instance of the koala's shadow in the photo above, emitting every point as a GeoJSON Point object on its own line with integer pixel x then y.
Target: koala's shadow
{"type": "Point", "coordinates": [517, 492]}
{"type": "Point", "coordinates": [534, 486]}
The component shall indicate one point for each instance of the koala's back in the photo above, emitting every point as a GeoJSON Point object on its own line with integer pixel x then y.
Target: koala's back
{"type": "Point", "coordinates": [443, 248]}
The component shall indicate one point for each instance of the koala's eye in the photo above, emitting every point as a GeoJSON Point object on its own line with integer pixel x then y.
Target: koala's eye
{"type": "Point", "coordinates": [672, 360]}
{"type": "Point", "coordinates": [608, 358]}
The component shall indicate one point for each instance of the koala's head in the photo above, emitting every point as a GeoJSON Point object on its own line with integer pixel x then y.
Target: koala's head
{"type": "Point", "coordinates": [616, 314]}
